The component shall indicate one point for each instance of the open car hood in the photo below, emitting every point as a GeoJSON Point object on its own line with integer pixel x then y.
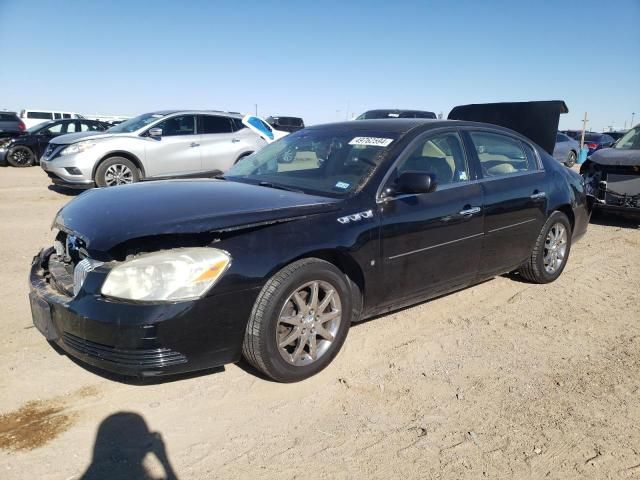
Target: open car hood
{"type": "Point", "coordinates": [616, 157]}
{"type": "Point", "coordinates": [106, 217]}
{"type": "Point", "coordinates": [537, 121]}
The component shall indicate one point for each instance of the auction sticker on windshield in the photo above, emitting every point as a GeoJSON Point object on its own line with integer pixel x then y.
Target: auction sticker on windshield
{"type": "Point", "coordinates": [371, 141]}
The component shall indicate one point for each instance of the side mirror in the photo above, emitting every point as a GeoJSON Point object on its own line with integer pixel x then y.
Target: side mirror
{"type": "Point", "coordinates": [155, 132]}
{"type": "Point", "coordinates": [414, 182]}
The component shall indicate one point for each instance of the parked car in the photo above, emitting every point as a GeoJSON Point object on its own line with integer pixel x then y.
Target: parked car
{"type": "Point", "coordinates": [395, 113]}
{"type": "Point", "coordinates": [286, 124]}
{"type": "Point", "coordinates": [32, 117]}
{"type": "Point", "coordinates": [154, 145]}
{"type": "Point", "coordinates": [25, 150]}
{"type": "Point", "coordinates": [274, 262]}
{"type": "Point", "coordinates": [10, 125]}
{"type": "Point", "coordinates": [596, 141]}
{"type": "Point", "coordinates": [612, 175]}
{"type": "Point", "coordinates": [575, 134]}
{"type": "Point", "coordinates": [616, 135]}
{"type": "Point", "coordinates": [566, 149]}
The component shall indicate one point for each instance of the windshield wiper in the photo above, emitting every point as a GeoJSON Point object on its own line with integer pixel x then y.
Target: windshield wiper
{"type": "Point", "coordinates": [279, 187]}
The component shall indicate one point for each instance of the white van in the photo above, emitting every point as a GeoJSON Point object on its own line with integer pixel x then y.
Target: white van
{"type": "Point", "coordinates": [33, 116]}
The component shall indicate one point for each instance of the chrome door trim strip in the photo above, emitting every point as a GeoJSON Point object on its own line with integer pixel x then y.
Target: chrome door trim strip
{"type": "Point", "coordinates": [509, 226]}
{"type": "Point", "coordinates": [434, 246]}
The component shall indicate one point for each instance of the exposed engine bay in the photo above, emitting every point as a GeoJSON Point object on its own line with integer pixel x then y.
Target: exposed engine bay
{"type": "Point", "coordinates": [613, 185]}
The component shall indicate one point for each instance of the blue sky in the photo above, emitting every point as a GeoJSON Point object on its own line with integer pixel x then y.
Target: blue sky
{"type": "Point", "coordinates": [323, 60]}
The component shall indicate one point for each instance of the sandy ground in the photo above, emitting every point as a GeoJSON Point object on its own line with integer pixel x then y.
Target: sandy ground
{"type": "Point", "coordinates": [502, 380]}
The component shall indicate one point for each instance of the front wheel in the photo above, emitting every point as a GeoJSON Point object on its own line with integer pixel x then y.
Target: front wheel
{"type": "Point", "coordinates": [21, 156]}
{"type": "Point", "coordinates": [299, 321]}
{"type": "Point", "coordinates": [116, 171]}
{"type": "Point", "coordinates": [551, 251]}
{"type": "Point", "coordinates": [571, 159]}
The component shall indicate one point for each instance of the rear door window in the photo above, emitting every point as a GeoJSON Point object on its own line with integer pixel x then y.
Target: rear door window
{"type": "Point", "coordinates": [501, 155]}
{"type": "Point", "coordinates": [215, 124]}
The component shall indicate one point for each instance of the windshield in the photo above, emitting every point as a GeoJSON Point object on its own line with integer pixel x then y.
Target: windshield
{"type": "Point", "coordinates": [136, 123]}
{"type": "Point", "coordinates": [630, 140]}
{"type": "Point", "coordinates": [323, 162]}
{"type": "Point", "coordinates": [38, 127]}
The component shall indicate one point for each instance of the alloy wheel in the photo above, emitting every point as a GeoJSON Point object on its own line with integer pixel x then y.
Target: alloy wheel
{"type": "Point", "coordinates": [555, 248]}
{"type": "Point", "coordinates": [308, 323]}
{"type": "Point", "coordinates": [21, 156]}
{"type": "Point", "coordinates": [118, 174]}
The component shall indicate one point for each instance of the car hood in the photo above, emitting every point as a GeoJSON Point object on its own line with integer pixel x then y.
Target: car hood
{"type": "Point", "coordinates": [616, 156]}
{"type": "Point", "coordinates": [106, 217]}
{"type": "Point", "coordinates": [76, 137]}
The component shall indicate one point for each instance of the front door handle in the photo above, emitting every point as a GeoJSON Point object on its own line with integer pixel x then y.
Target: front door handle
{"type": "Point", "coordinates": [235, 140]}
{"type": "Point", "coordinates": [538, 195]}
{"type": "Point", "coordinates": [469, 211]}
{"type": "Point", "coordinates": [194, 144]}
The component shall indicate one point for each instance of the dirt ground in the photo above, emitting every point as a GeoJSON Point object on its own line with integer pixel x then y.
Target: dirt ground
{"type": "Point", "coordinates": [502, 380]}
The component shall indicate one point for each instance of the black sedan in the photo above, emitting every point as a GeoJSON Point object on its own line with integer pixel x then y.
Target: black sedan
{"type": "Point", "coordinates": [275, 261]}
{"type": "Point", "coordinates": [25, 150]}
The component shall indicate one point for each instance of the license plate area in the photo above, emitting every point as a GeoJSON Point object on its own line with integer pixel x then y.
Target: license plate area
{"type": "Point", "coordinates": [41, 315]}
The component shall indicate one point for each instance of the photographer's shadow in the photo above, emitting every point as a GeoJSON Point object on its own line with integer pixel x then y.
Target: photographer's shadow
{"type": "Point", "coordinates": [122, 443]}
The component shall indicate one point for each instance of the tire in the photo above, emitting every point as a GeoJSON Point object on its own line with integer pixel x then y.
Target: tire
{"type": "Point", "coordinates": [571, 159]}
{"type": "Point", "coordinates": [116, 171]}
{"type": "Point", "coordinates": [265, 343]}
{"type": "Point", "coordinates": [541, 267]}
{"type": "Point", "coordinates": [21, 156]}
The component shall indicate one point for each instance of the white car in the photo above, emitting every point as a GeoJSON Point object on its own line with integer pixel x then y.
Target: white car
{"type": "Point", "coordinates": [163, 144]}
{"type": "Point", "coordinates": [34, 116]}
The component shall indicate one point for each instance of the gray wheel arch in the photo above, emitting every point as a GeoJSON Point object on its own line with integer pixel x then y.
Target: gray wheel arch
{"type": "Point", "coordinates": [119, 153]}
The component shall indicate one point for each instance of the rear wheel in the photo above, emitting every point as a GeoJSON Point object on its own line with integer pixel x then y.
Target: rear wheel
{"type": "Point", "coordinates": [21, 156]}
{"type": "Point", "coordinates": [116, 171]}
{"type": "Point", "coordinates": [571, 159]}
{"type": "Point", "coordinates": [551, 251]}
{"type": "Point", "coordinates": [299, 321]}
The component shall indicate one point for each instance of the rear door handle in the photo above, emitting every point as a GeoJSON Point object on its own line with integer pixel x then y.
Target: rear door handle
{"type": "Point", "coordinates": [235, 140]}
{"type": "Point", "coordinates": [194, 144]}
{"type": "Point", "coordinates": [538, 195]}
{"type": "Point", "coordinates": [469, 211]}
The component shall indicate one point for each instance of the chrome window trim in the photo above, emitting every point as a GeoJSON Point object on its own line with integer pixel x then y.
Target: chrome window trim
{"type": "Point", "coordinates": [459, 184]}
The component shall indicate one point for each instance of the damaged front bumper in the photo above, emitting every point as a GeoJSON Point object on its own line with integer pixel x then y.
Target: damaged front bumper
{"type": "Point", "coordinates": [137, 339]}
{"type": "Point", "coordinates": [614, 188]}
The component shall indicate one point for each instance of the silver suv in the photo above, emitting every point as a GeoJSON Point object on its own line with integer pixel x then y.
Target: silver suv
{"type": "Point", "coordinates": [154, 145]}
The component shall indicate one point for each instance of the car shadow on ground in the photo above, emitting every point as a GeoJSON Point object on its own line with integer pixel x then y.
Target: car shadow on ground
{"type": "Point", "coordinates": [69, 192]}
{"type": "Point", "coordinates": [122, 442]}
{"type": "Point", "coordinates": [607, 219]}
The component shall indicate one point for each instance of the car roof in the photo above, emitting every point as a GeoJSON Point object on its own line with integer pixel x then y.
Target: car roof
{"type": "Point", "coordinates": [402, 126]}
{"type": "Point", "coordinates": [392, 125]}
{"type": "Point", "coordinates": [195, 112]}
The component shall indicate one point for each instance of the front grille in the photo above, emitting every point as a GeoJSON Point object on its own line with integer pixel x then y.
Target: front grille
{"type": "Point", "coordinates": [150, 358]}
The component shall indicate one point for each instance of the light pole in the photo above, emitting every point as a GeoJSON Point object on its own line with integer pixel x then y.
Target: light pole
{"type": "Point", "coordinates": [633, 114]}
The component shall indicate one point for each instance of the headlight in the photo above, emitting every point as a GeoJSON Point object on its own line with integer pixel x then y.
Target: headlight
{"type": "Point", "coordinates": [78, 147]}
{"type": "Point", "coordinates": [172, 275]}
{"type": "Point", "coordinates": [4, 142]}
